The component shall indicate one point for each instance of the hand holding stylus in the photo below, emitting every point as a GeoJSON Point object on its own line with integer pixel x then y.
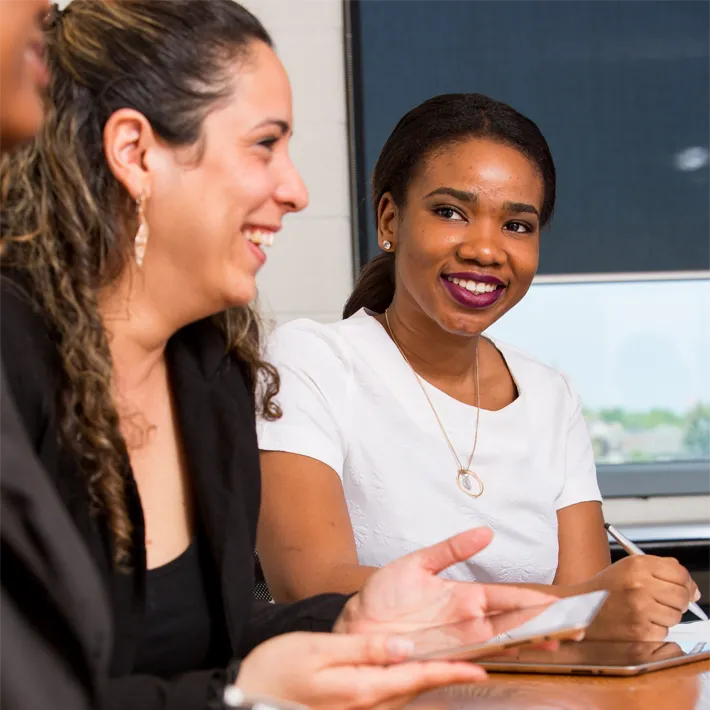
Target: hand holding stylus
{"type": "Point", "coordinates": [631, 549]}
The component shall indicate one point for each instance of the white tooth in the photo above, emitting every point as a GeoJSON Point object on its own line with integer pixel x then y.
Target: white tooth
{"type": "Point", "coordinates": [456, 281]}
{"type": "Point", "coordinates": [470, 286]}
{"type": "Point", "coordinates": [260, 237]}
{"type": "Point", "coordinates": [480, 287]}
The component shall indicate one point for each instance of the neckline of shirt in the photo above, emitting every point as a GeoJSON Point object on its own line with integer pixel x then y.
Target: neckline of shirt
{"type": "Point", "coordinates": [400, 377]}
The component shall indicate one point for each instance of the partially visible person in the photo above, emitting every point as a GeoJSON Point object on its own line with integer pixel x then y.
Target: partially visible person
{"type": "Point", "coordinates": [133, 229]}
{"type": "Point", "coordinates": [404, 424]}
{"type": "Point", "coordinates": [23, 73]}
{"type": "Point", "coordinates": [56, 630]}
{"type": "Point", "coordinates": [55, 644]}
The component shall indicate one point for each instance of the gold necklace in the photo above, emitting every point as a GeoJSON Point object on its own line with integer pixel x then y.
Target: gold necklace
{"type": "Point", "coordinates": [465, 477]}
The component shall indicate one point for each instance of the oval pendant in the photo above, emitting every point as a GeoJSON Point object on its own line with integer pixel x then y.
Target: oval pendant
{"type": "Point", "coordinates": [469, 483]}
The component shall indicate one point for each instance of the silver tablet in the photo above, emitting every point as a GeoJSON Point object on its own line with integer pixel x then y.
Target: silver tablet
{"type": "Point", "coordinates": [481, 636]}
{"type": "Point", "coordinates": [606, 658]}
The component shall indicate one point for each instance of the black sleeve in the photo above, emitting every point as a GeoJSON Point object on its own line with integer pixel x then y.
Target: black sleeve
{"type": "Point", "coordinates": [268, 620]}
{"type": "Point", "coordinates": [203, 689]}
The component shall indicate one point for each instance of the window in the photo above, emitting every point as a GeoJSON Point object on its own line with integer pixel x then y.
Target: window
{"type": "Point", "coordinates": [638, 353]}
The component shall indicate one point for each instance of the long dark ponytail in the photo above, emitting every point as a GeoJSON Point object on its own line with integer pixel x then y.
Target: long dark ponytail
{"type": "Point", "coordinates": [438, 122]}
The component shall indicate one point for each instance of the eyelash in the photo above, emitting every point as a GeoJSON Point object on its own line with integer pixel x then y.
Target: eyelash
{"type": "Point", "coordinates": [447, 208]}
{"type": "Point", "coordinates": [268, 143]}
{"type": "Point", "coordinates": [528, 228]}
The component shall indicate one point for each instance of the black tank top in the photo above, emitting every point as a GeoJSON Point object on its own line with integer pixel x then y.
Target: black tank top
{"type": "Point", "coordinates": [177, 634]}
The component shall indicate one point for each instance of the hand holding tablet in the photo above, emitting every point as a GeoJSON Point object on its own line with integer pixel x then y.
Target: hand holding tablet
{"type": "Point", "coordinates": [483, 636]}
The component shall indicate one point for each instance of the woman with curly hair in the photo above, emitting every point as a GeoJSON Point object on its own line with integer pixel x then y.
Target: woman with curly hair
{"type": "Point", "coordinates": [48, 580]}
{"type": "Point", "coordinates": [132, 231]}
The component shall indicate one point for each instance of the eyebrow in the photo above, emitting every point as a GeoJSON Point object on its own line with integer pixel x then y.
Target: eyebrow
{"type": "Point", "coordinates": [462, 195]}
{"type": "Point", "coordinates": [518, 207]}
{"type": "Point", "coordinates": [472, 198]}
{"type": "Point", "coordinates": [283, 126]}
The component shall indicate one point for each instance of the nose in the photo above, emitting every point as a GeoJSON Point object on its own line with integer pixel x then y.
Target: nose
{"type": "Point", "coordinates": [291, 191]}
{"type": "Point", "coordinates": [484, 244]}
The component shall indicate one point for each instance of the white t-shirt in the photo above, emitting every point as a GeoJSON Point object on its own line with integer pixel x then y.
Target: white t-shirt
{"type": "Point", "coordinates": [351, 401]}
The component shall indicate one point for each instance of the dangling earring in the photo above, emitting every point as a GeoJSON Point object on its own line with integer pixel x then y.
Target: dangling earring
{"type": "Point", "coordinates": [141, 241]}
{"type": "Point", "coordinates": [387, 245]}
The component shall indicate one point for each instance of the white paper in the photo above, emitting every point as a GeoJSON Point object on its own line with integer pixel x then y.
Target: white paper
{"type": "Point", "coordinates": [690, 631]}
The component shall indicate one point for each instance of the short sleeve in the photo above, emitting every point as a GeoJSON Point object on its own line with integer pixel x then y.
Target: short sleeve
{"type": "Point", "coordinates": [315, 383]}
{"type": "Point", "coordinates": [580, 469]}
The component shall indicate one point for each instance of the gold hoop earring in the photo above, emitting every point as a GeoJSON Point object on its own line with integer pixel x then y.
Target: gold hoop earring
{"type": "Point", "coordinates": [140, 243]}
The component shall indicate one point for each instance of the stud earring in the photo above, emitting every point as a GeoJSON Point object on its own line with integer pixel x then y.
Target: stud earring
{"type": "Point", "coordinates": [140, 242]}
{"type": "Point", "coordinates": [387, 245]}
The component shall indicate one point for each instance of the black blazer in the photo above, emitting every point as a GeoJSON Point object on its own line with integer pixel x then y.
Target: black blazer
{"type": "Point", "coordinates": [217, 421]}
{"type": "Point", "coordinates": [56, 629]}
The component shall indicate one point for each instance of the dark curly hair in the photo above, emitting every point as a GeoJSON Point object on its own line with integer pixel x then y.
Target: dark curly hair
{"type": "Point", "coordinates": [65, 219]}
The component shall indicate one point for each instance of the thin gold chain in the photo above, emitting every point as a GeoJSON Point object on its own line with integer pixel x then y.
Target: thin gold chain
{"type": "Point", "coordinates": [433, 408]}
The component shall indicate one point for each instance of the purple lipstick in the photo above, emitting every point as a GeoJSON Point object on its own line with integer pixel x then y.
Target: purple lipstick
{"type": "Point", "coordinates": [473, 290]}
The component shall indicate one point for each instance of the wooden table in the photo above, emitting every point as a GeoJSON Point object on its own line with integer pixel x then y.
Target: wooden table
{"type": "Point", "coordinates": [683, 688]}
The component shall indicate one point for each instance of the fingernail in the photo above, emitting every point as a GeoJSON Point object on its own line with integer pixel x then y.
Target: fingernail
{"type": "Point", "coordinates": [697, 595]}
{"type": "Point", "coordinates": [399, 647]}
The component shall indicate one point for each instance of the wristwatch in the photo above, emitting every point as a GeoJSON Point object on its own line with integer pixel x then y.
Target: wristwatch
{"type": "Point", "coordinates": [234, 698]}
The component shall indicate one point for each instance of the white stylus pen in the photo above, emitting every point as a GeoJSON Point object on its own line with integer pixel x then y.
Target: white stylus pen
{"type": "Point", "coordinates": [632, 549]}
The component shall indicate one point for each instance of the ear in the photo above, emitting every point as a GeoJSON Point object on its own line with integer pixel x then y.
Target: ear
{"type": "Point", "coordinates": [128, 136]}
{"type": "Point", "coordinates": [387, 214]}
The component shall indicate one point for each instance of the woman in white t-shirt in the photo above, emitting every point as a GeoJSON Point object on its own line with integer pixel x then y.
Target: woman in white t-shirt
{"type": "Point", "coordinates": [402, 425]}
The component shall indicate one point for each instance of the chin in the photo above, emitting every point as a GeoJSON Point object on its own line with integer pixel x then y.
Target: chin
{"type": "Point", "coordinates": [241, 295]}
{"type": "Point", "coordinates": [467, 323]}
{"type": "Point", "coordinates": [22, 132]}
{"type": "Point", "coordinates": [25, 121]}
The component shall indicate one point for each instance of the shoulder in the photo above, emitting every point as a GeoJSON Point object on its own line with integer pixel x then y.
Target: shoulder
{"type": "Point", "coordinates": [532, 374]}
{"type": "Point", "coordinates": [20, 310]}
{"type": "Point", "coordinates": [26, 344]}
{"type": "Point", "coordinates": [307, 344]}
{"type": "Point", "coordinates": [29, 355]}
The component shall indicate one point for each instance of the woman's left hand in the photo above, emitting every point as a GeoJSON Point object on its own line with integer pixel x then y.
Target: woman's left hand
{"type": "Point", "coordinates": [408, 594]}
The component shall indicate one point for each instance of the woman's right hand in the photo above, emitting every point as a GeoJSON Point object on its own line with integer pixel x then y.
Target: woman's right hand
{"type": "Point", "coordinates": [648, 595]}
{"type": "Point", "coordinates": [345, 672]}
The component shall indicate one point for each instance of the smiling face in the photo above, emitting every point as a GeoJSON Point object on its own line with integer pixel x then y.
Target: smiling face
{"type": "Point", "coordinates": [209, 207]}
{"type": "Point", "coordinates": [467, 238]}
{"type": "Point", "coordinates": [207, 219]}
{"type": "Point", "coordinates": [22, 71]}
